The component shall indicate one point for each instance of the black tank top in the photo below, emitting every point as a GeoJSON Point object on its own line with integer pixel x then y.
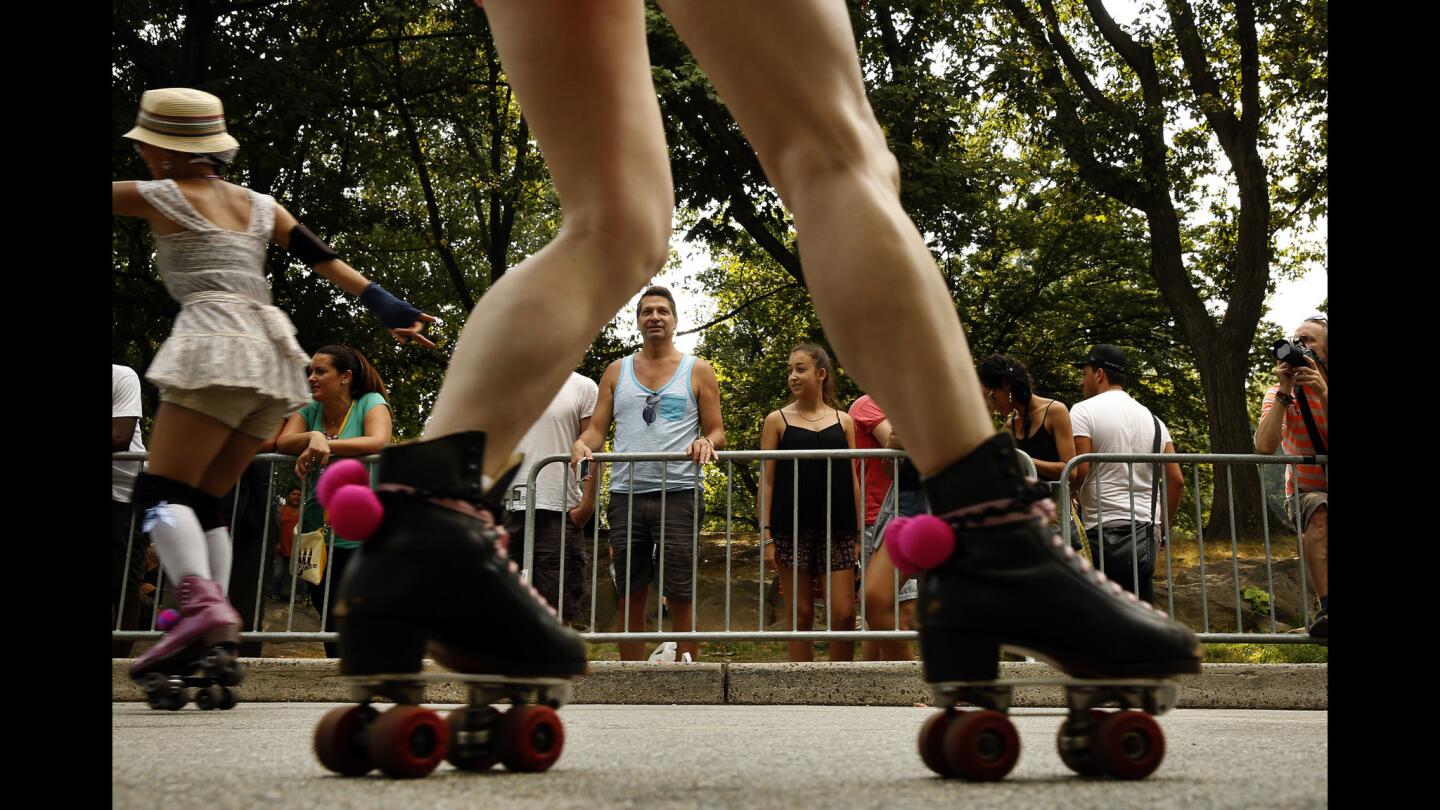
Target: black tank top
{"type": "Point", "coordinates": [812, 482]}
{"type": "Point", "coordinates": [1041, 446]}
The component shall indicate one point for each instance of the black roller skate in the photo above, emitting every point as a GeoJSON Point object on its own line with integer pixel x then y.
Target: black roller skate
{"type": "Point", "coordinates": [997, 576]}
{"type": "Point", "coordinates": [435, 572]}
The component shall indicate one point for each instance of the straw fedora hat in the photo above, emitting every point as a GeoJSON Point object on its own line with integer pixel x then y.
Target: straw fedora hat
{"type": "Point", "coordinates": [182, 120]}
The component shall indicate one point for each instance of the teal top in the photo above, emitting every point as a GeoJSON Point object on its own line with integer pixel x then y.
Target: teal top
{"type": "Point", "coordinates": [312, 516]}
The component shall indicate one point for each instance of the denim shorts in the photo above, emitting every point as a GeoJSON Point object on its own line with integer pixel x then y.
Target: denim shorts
{"type": "Point", "coordinates": [874, 539]}
{"type": "Point", "coordinates": [640, 564]}
{"type": "Point", "coordinates": [546, 576]}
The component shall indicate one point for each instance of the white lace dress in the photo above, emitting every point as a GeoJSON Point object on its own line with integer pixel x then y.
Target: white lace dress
{"type": "Point", "coordinates": [227, 332]}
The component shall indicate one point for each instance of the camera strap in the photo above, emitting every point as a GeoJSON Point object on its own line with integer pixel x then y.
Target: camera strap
{"type": "Point", "coordinates": [1312, 428]}
{"type": "Point", "coordinates": [1315, 439]}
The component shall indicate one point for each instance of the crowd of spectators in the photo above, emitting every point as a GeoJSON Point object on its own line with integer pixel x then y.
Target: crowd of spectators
{"type": "Point", "coordinates": [816, 524]}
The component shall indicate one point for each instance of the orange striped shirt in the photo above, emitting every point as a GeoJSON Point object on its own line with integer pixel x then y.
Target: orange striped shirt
{"type": "Point", "coordinates": [1295, 439]}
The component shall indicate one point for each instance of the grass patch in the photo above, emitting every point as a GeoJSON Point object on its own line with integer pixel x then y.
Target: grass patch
{"type": "Point", "coordinates": [1185, 550]}
{"type": "Point", "coordinates": [735, 652]}
{"type": "Point", "coordinates": [754, 652]}
{"type": "Point", "coordinates": [1266, 654]}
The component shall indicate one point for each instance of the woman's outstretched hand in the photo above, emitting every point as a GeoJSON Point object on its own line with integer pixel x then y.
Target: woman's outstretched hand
{"type": "Point", "coordinates": [412, 332]}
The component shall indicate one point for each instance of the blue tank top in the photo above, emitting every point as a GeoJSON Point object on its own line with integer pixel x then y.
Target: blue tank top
{"type": "Point", "coordinates": [663, 421]}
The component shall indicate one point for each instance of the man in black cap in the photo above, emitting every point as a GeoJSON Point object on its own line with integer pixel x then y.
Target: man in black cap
{"type": "Point", "coordinates": [1122, 536]}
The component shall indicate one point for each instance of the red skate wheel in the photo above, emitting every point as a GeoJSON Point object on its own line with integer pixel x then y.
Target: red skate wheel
{"type": "Point", "coordinates": [1080, 758]}
{"type": "Point", "coordinates": [340, 740]}
{"type": "Point", "coordinates": [407, 741]}
{"type": "Point", "coordinates": [529, 738]}
{"type": "Point", "coordinates": [982, 746]}
{"type": "Point", "coordinates": [1129, 744]}
{"type": "Point", "coordinates": [469, 756]}
{"type": "Point", "coordinates": [932, 741]}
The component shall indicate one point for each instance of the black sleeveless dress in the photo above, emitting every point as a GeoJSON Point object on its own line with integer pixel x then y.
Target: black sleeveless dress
{"type": "Point", "coordinates": [1041, 446]}
{"type": "Point", "coordinates": [808, 554]}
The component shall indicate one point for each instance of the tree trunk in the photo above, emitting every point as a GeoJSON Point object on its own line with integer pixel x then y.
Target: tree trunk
{"type": "Point", "coordinates": [1221, 357]}
{"type": "Point", "coordinates": [1222, 374]}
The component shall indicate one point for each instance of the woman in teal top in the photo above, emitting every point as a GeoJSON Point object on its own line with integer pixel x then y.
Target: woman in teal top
{"type": "Point", "coordinates": [348, 417]}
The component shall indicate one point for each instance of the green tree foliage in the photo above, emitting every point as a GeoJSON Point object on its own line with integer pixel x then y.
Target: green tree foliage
{"type": "Point", "coordinates": [390, 129]}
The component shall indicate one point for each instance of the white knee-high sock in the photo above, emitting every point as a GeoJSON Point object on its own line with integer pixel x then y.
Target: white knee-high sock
{"type": "Point", "coordinates": [179, 541]}
{"type": "Point", "coordinates": [217, 540]}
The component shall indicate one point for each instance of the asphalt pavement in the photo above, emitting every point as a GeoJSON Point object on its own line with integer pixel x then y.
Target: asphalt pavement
{"type": "Point", "coordinates": [260, 755]}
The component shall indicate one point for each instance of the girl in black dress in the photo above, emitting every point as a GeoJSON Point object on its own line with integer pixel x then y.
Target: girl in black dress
{"type": "Point", "coordinates": [796, 523]}
{"type": "Point", "coordinates": [1041, 426]}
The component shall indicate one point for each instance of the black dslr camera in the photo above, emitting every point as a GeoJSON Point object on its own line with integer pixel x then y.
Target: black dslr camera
{"type": "Point", "coordinates": [1290, 354]}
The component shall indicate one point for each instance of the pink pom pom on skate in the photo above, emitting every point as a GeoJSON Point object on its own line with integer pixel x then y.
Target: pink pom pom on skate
{"type": "Point", "coordinates": [921, 543]}
{"type": "Point", "coordinates": [167, 619]}
{"type": "Point", "coordinates": [891, 543]}
{"type": "Point", "coordinates": [345, 471]}
{"type": "Point", "coordinates": [355, 511]}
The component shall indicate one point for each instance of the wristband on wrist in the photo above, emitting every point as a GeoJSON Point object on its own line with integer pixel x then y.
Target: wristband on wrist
{"type": "Point", "coordinates": [391, 311]}
{"type": "Point", "coordinates": [1284, 398]}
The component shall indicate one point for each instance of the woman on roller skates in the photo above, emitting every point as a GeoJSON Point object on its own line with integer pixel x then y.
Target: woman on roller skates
{"type": "Point", "coordinates": [229, 371]}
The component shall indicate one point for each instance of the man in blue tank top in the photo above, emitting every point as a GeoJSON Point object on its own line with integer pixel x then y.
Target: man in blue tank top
{"type": "Point", "coordinates": [661, 401]}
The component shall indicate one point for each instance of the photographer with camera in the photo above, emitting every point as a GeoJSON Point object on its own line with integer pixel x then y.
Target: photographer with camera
{"type": "Point", "coordinates": [1300, 427]}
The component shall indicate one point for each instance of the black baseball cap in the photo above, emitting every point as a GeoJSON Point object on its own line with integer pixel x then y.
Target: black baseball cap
{"type": "Point", "coordinates": [1106, 356]}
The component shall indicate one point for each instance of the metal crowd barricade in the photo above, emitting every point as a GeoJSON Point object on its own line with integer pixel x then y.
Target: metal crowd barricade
{"type": "Point", "coordinates": [728, 458]}
{"type": "Point", "coordinates": [1196, 459]}
{"type": "Point", "coordinates": [254, 632]}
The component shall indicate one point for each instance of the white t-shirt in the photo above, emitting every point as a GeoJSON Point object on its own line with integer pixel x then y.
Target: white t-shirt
{"type": "Point", "coordinates": [125, 401]}
{"type": "Point", "coordinates": [555, 432]}
{"type": "Point", "coordinates": [1116, 423]}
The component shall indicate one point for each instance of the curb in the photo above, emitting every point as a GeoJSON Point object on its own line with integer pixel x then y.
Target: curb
{"type": "Point", "coordinates": [862, 683]}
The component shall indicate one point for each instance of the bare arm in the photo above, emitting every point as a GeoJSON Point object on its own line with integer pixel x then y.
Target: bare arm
{"type": "Point", "coordinates": [592, 438]}
{"type": "Point", "coordinates": [580, 515]}
{"type": "Point", "coordinates": [769, 440]}
{"type": "Point", "coordinates": [1059, 425]}
{"type": "Point", "coordinates": [379, 431]}
{"type": "Point", "coordinates": [308, 445]}
{"type": "Point", "coordinates": [887, 437]}
{"type": "Point", "coordinates": [1272, 418]}
{"type": "Point", "coordinates": [345, 277]}
{"type": "Point", "coordinates": [849, 426]}
{"type": "Point", "coordinates": [1080, 471]}
{"type": "Point", "coordinates": [295, 435]}
{"type": "Point", "coordinates": [121, 429]}
{"type": "Point", "coordinates": [1174, 485]}
{"type": "Point", "coordinates": [712, 429]}
{"type": "Point", "coordinates": [125, 200]}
